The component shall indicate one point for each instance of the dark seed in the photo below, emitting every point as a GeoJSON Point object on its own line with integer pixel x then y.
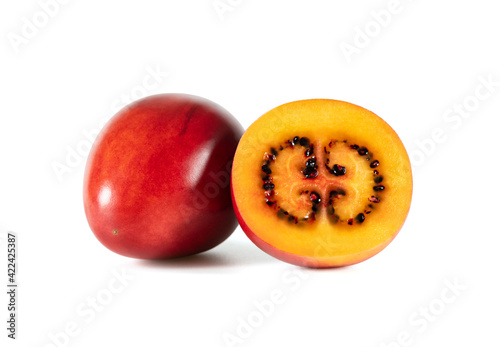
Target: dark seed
{"type": "Point", "coordinates": [269, 193]}
{"type": "Point", "coordinates": [328, 161]}
{"type": "Point", "coordinates": [281, 148]}
{"type": "Point", "coordinates": [314, 208]}
{"type": "Point", "coordinates": [350, 221]}
{"type": "Point", "coordinates": [326, 152]}
{"type": "Point", "coordinates": [265, 177]}
{"type": "Point", "coordinates": [330, 144]}
{"type": "Point", "coordinates": [354, 146]}
{"type": "Point", "coordinates": [378, 188]}
{"type": "Point", "coordinates": [375, 172]}
{"type": "Point", "coordinates": [295, 140]}
{"type": "Point", "coordinates": [379, 179]}
{"type": "Point", "coordinates": [310, 173]}
{"type": "Point", "coordinates": [268, 186]}
{"type": "Point", "coordinates": [313, 174]}
{"type": "Point", "coordinates": [363, 151]}
{"type": "Point", "coordinates": [374, 164]}
{"type": "Point", "coordinates": [304, 142]}
{"type": "Point", "coordinates": [374, 199]}
{"type": "Point", "coordinates": [360, 218]}
{"type": "Point", "coordinates": [270, 203]}
{"type": "Point", "coordinates": [309, 151]}
{"type": "Point", "coordinates": [311, 163]}
{"type": "Point", "coordinates": [338, 170]}
{"type": "Point", "coordinates": [315, 197]}
{"type": "Point", "coordinates": [266, 169]}
{"type": "Point", "coordinates": [274, 151]}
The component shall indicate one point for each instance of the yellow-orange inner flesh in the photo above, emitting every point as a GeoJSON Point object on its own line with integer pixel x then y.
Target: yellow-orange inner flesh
{"type": "Point", "coordinates": [322, 121]}
{"type": "Point", "coordinates": [312, 193]}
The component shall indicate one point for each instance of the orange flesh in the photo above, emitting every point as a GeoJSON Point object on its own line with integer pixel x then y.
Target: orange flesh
{"type": "Point", "coordinates": [328, 239]}
{"type": "Point", "coordinates": [293, 189]}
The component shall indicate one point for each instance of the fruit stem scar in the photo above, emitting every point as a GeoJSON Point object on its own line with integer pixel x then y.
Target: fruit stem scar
{"type": "Point", "coordinates": [115, 231]}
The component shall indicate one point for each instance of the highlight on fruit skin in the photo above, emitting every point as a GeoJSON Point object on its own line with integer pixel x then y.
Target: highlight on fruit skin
{"type": "Point", "coordinates": [321, 183]}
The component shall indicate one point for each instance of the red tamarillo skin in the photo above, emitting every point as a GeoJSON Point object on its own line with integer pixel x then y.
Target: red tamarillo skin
{"type": "Point", "coordinates": [157, 180]}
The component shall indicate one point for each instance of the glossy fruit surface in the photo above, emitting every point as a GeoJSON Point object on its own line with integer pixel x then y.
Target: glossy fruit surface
{"type": "Point", "coordinates": [157, 180]}
{"type": "Point", "coordinates": [321, 183]}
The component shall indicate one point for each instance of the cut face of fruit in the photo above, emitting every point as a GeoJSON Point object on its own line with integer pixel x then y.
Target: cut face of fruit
{"type": "Point", "coordinates": [321, 183]}
{"type": "Point", "coordinates": [305, 186]}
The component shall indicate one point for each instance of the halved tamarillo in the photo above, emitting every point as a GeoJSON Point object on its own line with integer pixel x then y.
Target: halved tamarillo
{"type": "Point", "coordinates": [321, 183]}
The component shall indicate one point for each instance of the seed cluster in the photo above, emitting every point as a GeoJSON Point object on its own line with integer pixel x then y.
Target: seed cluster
{"type": "Point", "coordinates": [267, 179]}
{"type": "Point", "coordinates": [310, 171]}
{"type": "Point", "coordinates": [363, 151]}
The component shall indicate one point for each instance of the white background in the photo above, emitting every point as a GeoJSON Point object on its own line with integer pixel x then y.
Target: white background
{"type": "Point", "coordinates": [70, 71]}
